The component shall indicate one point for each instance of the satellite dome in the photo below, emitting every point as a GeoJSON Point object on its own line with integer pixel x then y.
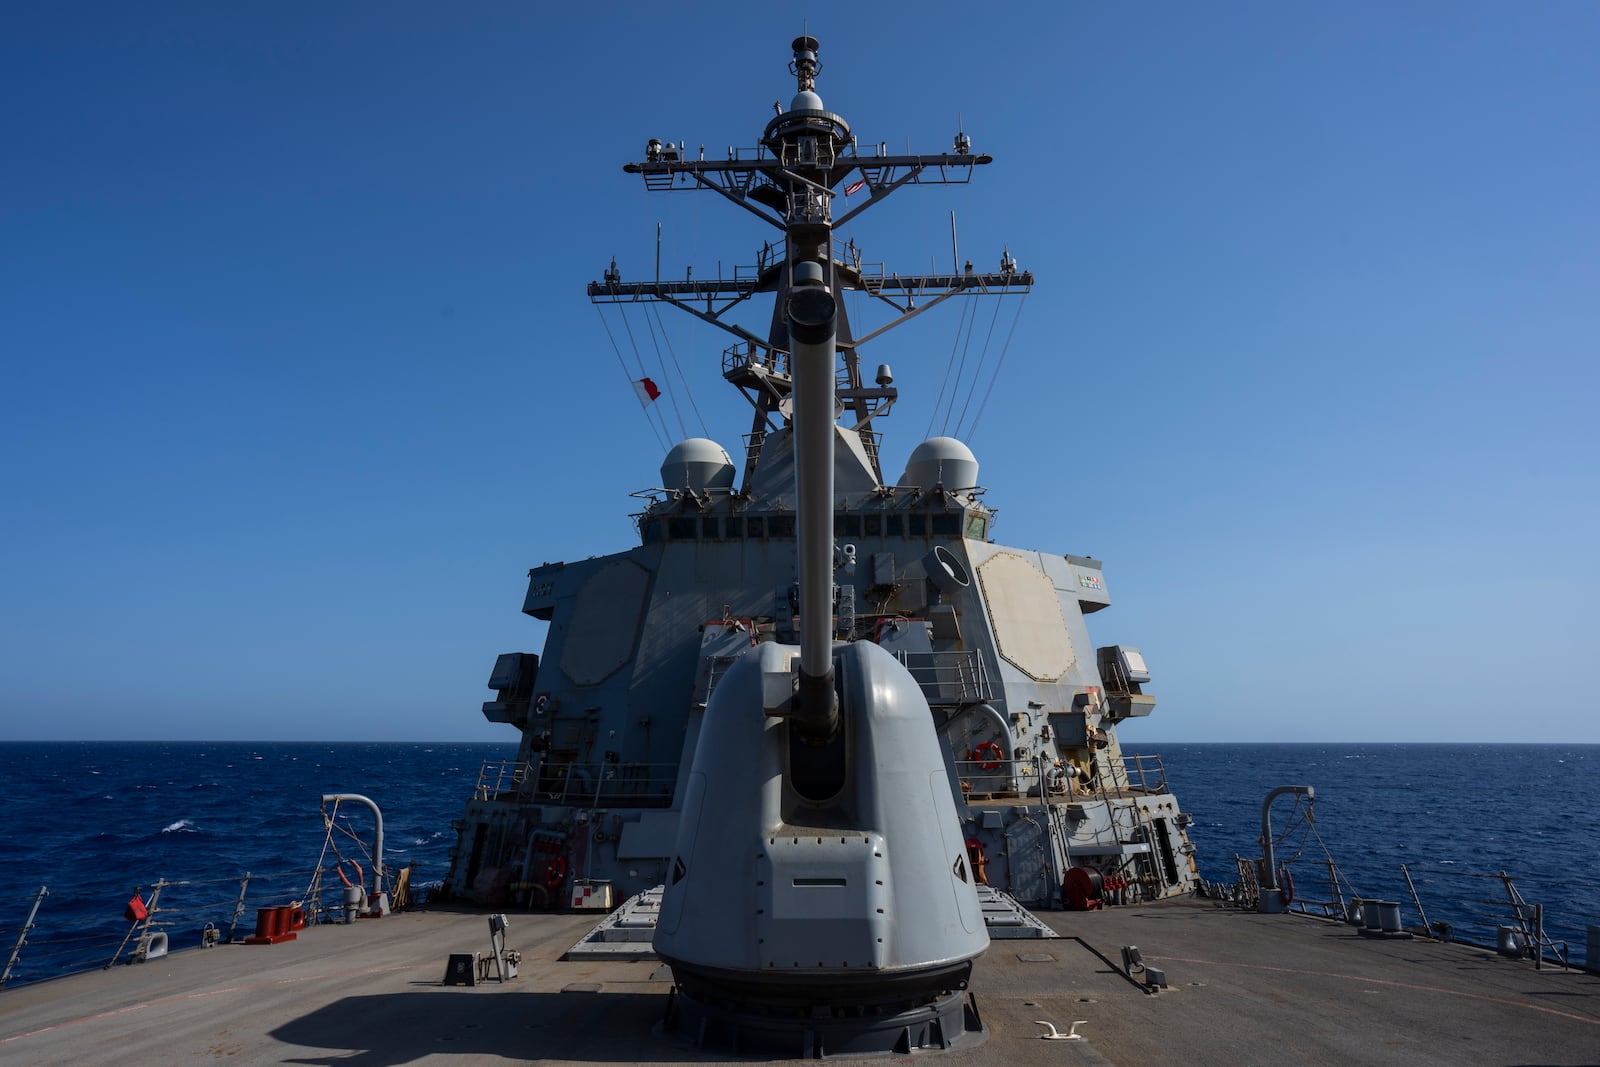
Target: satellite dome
{"type": "Point", "coordinates": [806, 100]}
{"type": "Point", "coordinates": [941, 461]}
{"type": "Point", "coordinates": [697, 464]}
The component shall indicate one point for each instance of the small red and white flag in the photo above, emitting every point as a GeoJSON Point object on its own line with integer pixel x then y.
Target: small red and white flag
{"type": "Point", "coordinates": [647, 391]}
{"type": "Point", "coordinates": [855, 187]}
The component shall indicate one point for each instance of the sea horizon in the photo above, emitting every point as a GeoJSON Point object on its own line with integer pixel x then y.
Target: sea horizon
{"type": "Point", "coordinates": [107, 817]}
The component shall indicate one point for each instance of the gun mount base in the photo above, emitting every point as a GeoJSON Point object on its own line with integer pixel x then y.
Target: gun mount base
{"type": "Point", "coordinates": [791, 1016]}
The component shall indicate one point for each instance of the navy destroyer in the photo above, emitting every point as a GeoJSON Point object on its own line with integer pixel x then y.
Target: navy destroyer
{"type": "Point", "coordinates": [809, 727]}
{"type": "Point", "coordinates": [1023, 707]}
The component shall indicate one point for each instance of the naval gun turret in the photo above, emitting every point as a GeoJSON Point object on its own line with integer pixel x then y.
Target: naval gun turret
{"type": "Point", "coordinates": [801, 652]}
{"type": "Point", "coordinates": [821, 899]}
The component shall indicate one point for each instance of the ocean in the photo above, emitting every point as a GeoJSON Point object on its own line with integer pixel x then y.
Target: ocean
{"type": "Point", "coordinates": [1454, 814]}
{"type": "Point", "coordinates": [98, 822]}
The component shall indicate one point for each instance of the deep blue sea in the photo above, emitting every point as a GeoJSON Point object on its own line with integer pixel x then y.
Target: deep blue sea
{"type": "Point", "coordinates": [1452, 813]}
{"type": "Point", "coordinates": [96, 821]}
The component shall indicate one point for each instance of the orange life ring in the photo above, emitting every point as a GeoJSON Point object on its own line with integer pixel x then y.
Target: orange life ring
{"type": "Point", "coordinates": [348, 884]}
{"type": "Point", "coordinates": [988, 756]}
{"type": "Point", "coordinates": [556, 872]}
{"type": "Point", "coordinates": [1286, 884]}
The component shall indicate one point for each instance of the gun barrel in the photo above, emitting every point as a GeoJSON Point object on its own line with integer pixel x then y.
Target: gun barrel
{"type": "Point", "coordinates": [811, 313]}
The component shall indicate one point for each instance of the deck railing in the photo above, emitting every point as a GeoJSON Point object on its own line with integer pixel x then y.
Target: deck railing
{"type": "Point", "coordinates": [639, 785]}
{"type": "Point", "coordinates": [175, 915]}
{"type": "Point", "coordinates": [1485, 910]}
{"type": "Point", "coordinates": [952, 678]}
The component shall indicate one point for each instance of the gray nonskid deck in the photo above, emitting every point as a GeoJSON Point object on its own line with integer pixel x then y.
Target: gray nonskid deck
{"type": "Point", "coordinates": [1243, 988]}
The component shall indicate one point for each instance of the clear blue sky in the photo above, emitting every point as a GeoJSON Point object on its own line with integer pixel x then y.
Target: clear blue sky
{"type": "Point", "coordinates": [299, 376]}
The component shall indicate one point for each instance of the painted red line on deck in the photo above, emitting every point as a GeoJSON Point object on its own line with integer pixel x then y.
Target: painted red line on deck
{"type": "Point", "coordinates": [1385, 981]}
{"type": "Point", "coordinates": [209, 993]}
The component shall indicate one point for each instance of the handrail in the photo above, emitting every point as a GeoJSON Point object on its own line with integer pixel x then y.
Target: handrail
{"type": "Point", "coordinates": [1529, 937]}
{"type": "Point", "coordinates": [580, 784]}
{"type": "Point", "coordinates": [43, 950]}
{"type": "Point", "coordinates": [949, 678]}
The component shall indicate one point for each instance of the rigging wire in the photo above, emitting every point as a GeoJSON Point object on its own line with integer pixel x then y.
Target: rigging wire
{"type": "Point", "coordinates": [666, 434]}
{"type": "Point", "coordinates": [661, 361]}
{"type": "Point", "coordinates": [971, 433]}
{"type": "Point", "coordinates": [1338, 870]}
{"type": "Point", "coordinates": [977, 372]}
{"type": "Point", "coordinates": [949, 364]}
{"type": "Point", "coordinates": [327, 840]}
{"type": "Point", "coordinates": [688, 390]}
{"type": "Point", "coordinates": [626, 374]}
{"type": "Point", "coordinates": [961, 370]}
{"type": "Point", "coordinates": [72, 940]}
{"type": "Point", "coordinates": [352, 835]}
{"type": "Point", "coordinates": [1305, 837]}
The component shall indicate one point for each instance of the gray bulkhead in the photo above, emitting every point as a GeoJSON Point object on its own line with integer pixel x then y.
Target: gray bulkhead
{"type": "Point", "coordinates": [638, 639]}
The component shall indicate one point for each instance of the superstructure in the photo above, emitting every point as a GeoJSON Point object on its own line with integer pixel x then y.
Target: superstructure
{"type": "Point", "coordinates": [1024, 706]}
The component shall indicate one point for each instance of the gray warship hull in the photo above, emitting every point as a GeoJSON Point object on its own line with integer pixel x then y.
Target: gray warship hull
{"type": "Point", "coordinates": [987, 651]}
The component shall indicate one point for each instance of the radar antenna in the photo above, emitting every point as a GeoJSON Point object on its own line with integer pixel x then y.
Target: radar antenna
{"type": "Point", "coordinates": [806, 158]}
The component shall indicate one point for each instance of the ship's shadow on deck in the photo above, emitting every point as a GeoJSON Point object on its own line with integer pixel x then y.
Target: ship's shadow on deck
{"type": "Point", "coordinates": [398, 1028]}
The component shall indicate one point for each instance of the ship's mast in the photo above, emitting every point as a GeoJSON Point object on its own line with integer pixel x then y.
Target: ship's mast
{"type": "Point", "coordinates": [806, 158]}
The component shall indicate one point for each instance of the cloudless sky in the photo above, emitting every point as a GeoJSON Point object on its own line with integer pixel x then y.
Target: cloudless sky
{"type": "Point", "coordinates": [300, 379]}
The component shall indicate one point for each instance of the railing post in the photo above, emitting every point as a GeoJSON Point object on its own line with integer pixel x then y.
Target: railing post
{"type": "Point", "coordinates": [1335, 894]}
{"type": "Point", "coordinates": [1415, 900]}
{"type": "Point", "coordinates": [238, 907]}
{"type": "Point", "coordinates": [1513, 898]}
{"type": "Point", "coordinates": [22, 936]}
{"type": "Point", "coordinates": [313, 900]}
{"type": "Point", "coordinates": [143, 948]}
{"type": "Point", "coordinates": [135, 925]}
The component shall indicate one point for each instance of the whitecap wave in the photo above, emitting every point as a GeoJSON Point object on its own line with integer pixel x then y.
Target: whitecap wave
{"type": "Point", "coordinates": [182, 826]}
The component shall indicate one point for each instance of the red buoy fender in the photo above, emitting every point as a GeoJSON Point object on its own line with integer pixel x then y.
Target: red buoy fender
{"type": "Point", "coordinates": [988, 756]}
{"type": "Point", "coordinates": [1286, 883]}
{"type": "Point", "coordinates": [556, 872]}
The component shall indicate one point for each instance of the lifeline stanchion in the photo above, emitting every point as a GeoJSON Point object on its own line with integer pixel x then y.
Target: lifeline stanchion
{"type": "Point", "coordinates": [238, 908]}
{"type": "Point", "coordinates": [134, 920]}
{"type": "Point", "coordinates": [1414, 898]}
{"type": "Point", "coordinates": [22, 935]}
